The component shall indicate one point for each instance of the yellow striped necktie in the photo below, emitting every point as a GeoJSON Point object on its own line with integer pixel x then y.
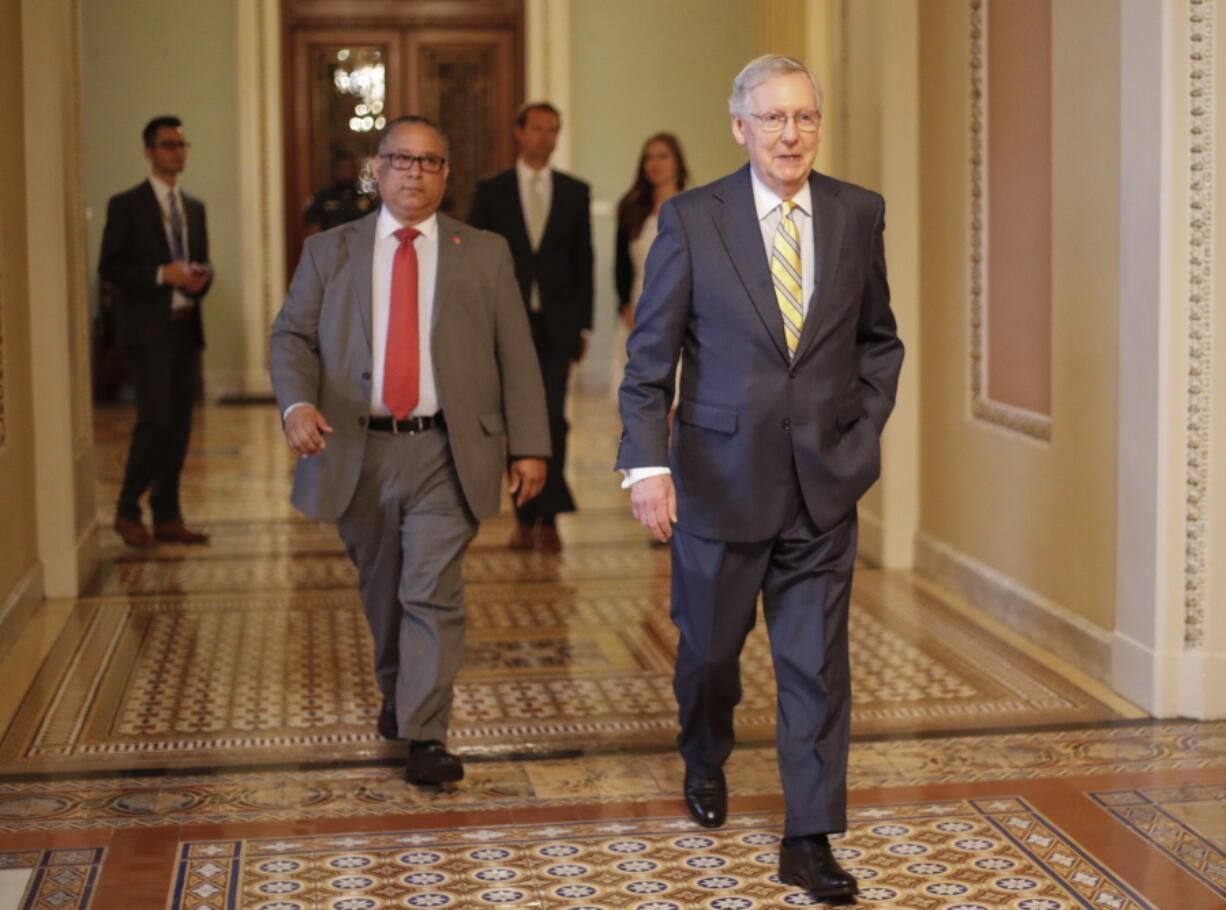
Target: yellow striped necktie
{"type": "Point", "coordinates": [785, 272]}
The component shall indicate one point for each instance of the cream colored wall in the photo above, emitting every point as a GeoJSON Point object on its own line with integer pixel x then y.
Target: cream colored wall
{"type": "Point", "coordinates": [1039, 514]}
{"type": "Point", "coordinates": [637, 67]}
{"type": "Point", "coordinates": [20, 575]}
{"type": "Point", "coordinates": [143, 59]}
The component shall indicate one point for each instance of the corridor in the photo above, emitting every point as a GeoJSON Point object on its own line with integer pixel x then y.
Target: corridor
{"type": "Point", "coordinates": [198, 732]}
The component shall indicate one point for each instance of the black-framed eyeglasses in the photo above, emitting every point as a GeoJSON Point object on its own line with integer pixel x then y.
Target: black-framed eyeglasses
{"type": "Point", "coordinates": [775, 121]}
{"type": "Point", "coordinates": [429, 164]}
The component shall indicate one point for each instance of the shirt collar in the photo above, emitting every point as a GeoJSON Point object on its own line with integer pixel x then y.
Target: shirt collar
{"type": "Point", "coordinates": [766, 200]}
{"type": "Point", "coordinates": [161, 188]}
{"type": "Point", "coordinates": [387, 225]}
{"type": "Point", "coordinates": [526, 172]}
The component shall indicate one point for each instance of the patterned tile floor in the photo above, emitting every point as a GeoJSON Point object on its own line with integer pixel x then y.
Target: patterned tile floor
{"type": "Point", "coordinates": [196, 733]}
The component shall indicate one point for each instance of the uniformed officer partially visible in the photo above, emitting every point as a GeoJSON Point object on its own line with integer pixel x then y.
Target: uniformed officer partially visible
{"type": "Point", "coordinates": [340, 201]}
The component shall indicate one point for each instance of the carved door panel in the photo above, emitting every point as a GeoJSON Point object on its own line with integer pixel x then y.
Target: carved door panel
{"type": "Point", "coordinates": [459, 79]}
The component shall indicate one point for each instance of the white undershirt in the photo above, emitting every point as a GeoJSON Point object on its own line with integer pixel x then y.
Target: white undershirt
{"type": "Point", "coordinates": [767, 205]}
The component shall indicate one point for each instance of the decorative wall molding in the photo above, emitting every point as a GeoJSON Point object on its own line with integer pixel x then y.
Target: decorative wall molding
{"type": "Point", "coordinates": [1202, 123]}
{"type": "Point", "coordinates": [261, 208]}
{"type": "Point", "coordinates": [76, 245]}
{"type": "Point", "coordinates": [1043, 621]}
{"type": "Point", "coordinates": [1010, 417]}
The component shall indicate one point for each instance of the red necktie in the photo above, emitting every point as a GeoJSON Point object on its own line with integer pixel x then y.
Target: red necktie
{"type": "Point", "coordinates": [402, 358]}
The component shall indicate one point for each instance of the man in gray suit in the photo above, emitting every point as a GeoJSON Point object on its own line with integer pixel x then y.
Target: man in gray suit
{"type": "Point", "coordinates": [406, 376]}
{"type": "Point", "coordinates": [770, 286]}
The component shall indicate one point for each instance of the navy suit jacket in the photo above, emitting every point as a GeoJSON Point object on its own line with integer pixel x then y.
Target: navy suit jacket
{"type": "Point", "coordinates": [747, 414]}
{"type": "Point", "coordinates": [134, 245]}
{"type": "Point", "coordinates": [561, 267]}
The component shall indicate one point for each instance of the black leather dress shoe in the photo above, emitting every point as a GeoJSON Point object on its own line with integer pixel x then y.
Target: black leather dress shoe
{"type": "Point", "coordinates": [706, 798]}
{"type": "Point", "coordinates": [807, 862]}
{"type": "Point", "coordinates": [430, 764]}
{"type": "Point", "coordinates": [388, 728]}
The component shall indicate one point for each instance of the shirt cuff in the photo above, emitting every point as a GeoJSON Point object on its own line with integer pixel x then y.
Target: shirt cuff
{"type": "Point", "coordinates": [296, 404]}
{"type": "Point", "coordinates": [158, 277]}
{"type": "Point", "coordinates": [631, 476]}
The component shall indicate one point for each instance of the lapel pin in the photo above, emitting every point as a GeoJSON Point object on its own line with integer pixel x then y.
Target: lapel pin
{"type": "Point", "coordinates": [455, 238]}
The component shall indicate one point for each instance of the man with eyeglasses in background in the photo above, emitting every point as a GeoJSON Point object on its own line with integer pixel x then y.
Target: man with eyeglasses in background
{"type": "Point", "coordinates": [770, 286]}
{"type": "Point", "coordinates": [545, 216]}
{"type": "Point", "coordinates": [407, 382]}
{"type": "Point", "coordinates": [155, 252]}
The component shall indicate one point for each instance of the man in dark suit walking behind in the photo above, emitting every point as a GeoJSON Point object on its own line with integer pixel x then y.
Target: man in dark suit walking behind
{"type": "Point", "coordinates": [155, 250]}
{"type": "Point", "coordinates": [770, 286]}
{"type": "Point", "coordinates": [544, 215]}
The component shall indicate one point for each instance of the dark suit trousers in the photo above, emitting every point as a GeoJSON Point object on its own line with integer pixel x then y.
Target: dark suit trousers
{"type": "Point", "coordinates": [555, 497]}
{"type": "Point", "coordinates": [165, 381]}
{"type": "Point", "coordinates": [805, 578]}
{"type": "Point", "coordinates": [406, 530]}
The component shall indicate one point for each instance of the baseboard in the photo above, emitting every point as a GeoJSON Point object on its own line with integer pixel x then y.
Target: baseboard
{"type": "Point", "coordinates": [222, 384]}
{"type": "Point", "coordinates": [1170, 683]}
{"type": "Point", "coordinates": [1042, 621]}
{"type": "Point", "coordinates": [89, 554]}
{"type": "Point", "coordinates": [872, 539]}
{"type": "Point", "coordinates": [19, 606]}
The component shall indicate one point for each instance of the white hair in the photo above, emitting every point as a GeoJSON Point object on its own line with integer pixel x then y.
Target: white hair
{"type": "Point", "coordinates": [760, 69]}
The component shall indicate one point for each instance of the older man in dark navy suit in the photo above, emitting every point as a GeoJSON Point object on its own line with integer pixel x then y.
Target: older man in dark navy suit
{"type": "Point", "coordinates": [770, 287]}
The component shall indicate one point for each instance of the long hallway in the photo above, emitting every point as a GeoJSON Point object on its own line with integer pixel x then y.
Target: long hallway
{"type": "Point", "coordinates": [198, 732]}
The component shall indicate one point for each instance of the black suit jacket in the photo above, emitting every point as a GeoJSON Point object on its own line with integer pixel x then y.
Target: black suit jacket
{"type": "Point", "coordinates": [747, 414]}
{"type": "Point", "coordinates": [562, 266]}
{"type": "Point", "coordinates": [134, 245]}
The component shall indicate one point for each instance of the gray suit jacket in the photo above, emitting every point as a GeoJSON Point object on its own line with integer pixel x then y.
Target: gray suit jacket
{"type": "Point", "coordinates": [747, 414]}
{"type": "Point", "coordinates": [485, 365]}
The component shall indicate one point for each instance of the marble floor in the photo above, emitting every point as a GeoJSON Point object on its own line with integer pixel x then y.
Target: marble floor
{"type": "Point", "coordinates": [196, 733]}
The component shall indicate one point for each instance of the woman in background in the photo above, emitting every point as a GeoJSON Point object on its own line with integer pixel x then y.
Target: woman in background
{"type": "Point", "coordinates": [661, 175]}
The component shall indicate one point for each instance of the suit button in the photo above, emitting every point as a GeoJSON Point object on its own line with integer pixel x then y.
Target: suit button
{"type": "Point", "coordinates": [361, 421]}
{"type": "Point", "coordinates": [787, 424]}
{"type": "Point", "coordinates": [366, 376]}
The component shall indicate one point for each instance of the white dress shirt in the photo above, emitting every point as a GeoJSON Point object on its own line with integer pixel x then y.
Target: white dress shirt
{"type": "Point", "coordinates": [163, 191]}
{"type": "Point", "coordinates": [769, 208]}
{"type": "Point", "coordinates": [386, 244]}
{"type": "Point", "coordinates": [525, 172]}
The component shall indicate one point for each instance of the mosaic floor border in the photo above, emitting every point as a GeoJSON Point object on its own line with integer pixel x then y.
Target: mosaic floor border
{"type": "Point", "coordinates": [1175, 819]}
{"type": "Point", "coordinates": [267, 796]}
{"type": "Point", "coordinates": [969, 854]}
{"type": "Point", "coordinates": [59, 879]}
{"type": "Point", "coordinates": [275, 677]}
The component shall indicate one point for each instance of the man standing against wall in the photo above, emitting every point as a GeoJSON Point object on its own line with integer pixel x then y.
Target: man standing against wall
{"type": "Point", "coordinates": [155, 251]}
{"type": "Point", "coordinates": [404, 370]}
{"type": "Point", "coordinates": [770, 286]}
{"type": "Point", "coordinates": [544, 215]}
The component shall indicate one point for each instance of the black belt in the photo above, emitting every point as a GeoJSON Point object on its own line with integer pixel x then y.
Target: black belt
{"type": "Point", "coordinates": [408, 425]}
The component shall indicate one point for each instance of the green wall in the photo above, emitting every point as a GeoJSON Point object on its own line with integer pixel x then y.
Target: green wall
{"type": "Point", "coordinates": [143, 58]}
{"type": "Point", "coordinates": [638, 67]}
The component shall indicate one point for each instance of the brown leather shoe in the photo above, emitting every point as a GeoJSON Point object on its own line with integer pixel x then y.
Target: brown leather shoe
{"type": "Point", "coordinates": [134, 533]}
{"type": "Point", "coordinates": [547, 539]}
{"type": "Point", "coordinates": [177, 532]}
{"type": "Point", "coordinates": [522, 538]}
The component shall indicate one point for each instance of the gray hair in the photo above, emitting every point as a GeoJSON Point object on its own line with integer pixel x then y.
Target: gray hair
{"type": "Point", "coordinates": [760, 69]}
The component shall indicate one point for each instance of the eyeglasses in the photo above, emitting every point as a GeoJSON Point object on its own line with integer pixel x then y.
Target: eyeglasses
{"type": "Point", "coordinates": [774, 122]}
{"type": "Point", "coordinates": [429, 164]}
{"type": "Point", "coordinates": [171, 145]}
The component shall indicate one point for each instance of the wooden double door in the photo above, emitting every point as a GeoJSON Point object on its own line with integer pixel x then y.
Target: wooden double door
{"type": "Point", "coordinates": [352, 65]}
